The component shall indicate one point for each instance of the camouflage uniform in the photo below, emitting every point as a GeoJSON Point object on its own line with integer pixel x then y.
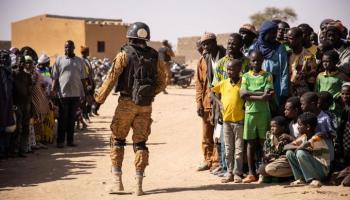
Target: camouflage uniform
{"type": "Point", "coordinates": [129, 115]}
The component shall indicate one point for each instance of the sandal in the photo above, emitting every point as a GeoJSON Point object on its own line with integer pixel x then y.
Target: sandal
{"type": "Point", "coordinates": [249, 179]}
{"type": "Point", "coordinates": [315, 184]}
{"type": "Point", "coordinates": [228, 179]}
{"type": "Point", "coordinates": [299, 182]}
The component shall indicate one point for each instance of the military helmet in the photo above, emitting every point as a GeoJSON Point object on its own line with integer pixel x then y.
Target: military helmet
{"type": "Point", "coordinates": [139, 30]}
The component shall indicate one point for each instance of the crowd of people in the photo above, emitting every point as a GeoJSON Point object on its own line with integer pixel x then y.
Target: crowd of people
{"type": "Point", "coordinates": [32, 109]}
{"type": "Point", "coordinates": [275, 104]}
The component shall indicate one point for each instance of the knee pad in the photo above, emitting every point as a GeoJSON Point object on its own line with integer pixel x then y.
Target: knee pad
{"type": "Point", "coordinates": [119, 143]}
{"type": "Point", "coordinates": [140, 146]}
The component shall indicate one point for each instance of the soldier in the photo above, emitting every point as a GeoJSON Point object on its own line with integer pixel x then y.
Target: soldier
{"type": "Point", "coordinates": [165, 53]}
{"type": "Point", "coordinates": [140, 77]}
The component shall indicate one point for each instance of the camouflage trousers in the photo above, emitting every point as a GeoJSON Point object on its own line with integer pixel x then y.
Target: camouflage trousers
{"type": "Point", "coordinates": [168, 72]}
{"type": "Point", "coordinates": [129, 115]}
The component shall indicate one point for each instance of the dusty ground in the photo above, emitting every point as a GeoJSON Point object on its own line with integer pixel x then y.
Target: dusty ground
{"type": "Point", "coordinates": [83, 172]}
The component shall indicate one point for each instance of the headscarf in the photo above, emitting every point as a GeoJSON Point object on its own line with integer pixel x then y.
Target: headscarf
{"type": "Point", "coordinates": [337, 26]}
{"type": "Point", "coordinates": [43, 59]}
{"type": "Point", "coordinates": [267, 49]}
{"type": "Point", "coordinates": [325, 22]}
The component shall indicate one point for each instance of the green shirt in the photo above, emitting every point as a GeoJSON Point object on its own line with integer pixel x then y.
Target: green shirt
{"type": "Point", "coordinates": [331, 83]}
{"type": "Point", "coordinates": [260, 83]}
{"type": "Point", "coordinates": [220, 69]}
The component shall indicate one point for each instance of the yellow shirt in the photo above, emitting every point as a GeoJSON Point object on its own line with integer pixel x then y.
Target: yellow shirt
{"type": "Point", "coordinates": [231, 100]}
{"type": "Point", "coordinates": [312, 50]}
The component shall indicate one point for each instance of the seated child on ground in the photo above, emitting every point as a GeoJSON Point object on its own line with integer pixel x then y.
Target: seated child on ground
{"type": "Point", "coordinates": [275, 162]}
{"type": "Point", "coordinates": [308, 155]}
{"type": "Point", "coordinates": [324, 128]}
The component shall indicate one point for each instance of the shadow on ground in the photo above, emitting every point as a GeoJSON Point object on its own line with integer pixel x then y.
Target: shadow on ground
{"type": "Point", "coordinates": [217, 187]}
{"type": "Point", "coordinates": [54, 164]}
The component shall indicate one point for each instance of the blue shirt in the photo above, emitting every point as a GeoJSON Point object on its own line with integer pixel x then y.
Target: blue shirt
{"type": "Point", "coordinates": [324, 126]}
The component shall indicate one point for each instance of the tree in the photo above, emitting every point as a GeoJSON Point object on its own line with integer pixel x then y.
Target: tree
{"type": "Point", "coordinates": [286, 14]}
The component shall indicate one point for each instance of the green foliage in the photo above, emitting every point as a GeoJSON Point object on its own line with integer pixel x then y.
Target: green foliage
{"type": "Point", "coordinates": [286, 14]}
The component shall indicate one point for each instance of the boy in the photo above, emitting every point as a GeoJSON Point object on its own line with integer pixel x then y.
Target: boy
{"type": "Point", "coordinates": [324, 127]}
{"type": "Point", "coordinates": [310, 161]}
{"type": "Point", "coordinates": [331, 79]}
{"type": "Point", "coordinates": [257, 90]}
{"type": "Point", "coordinates": [343, 137]}
{"type": "Point", "coordinates": [233, 115]}
{"type": "Point", "coordinates": [234, 46]}
{"type": "Point", "coordinates": [275, 162]}
{"type": "Point", "coordinates": [292, 110]}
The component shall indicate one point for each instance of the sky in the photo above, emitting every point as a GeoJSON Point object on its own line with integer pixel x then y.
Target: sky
{"type": "Point", "coordinates": [170, 19]}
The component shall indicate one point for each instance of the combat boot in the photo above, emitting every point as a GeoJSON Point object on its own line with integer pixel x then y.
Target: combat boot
{"type": "Point", "coordinates": [117, 184]}
{"type": "Point", "coordinates": [138, 189]}
{"type": "Point", "coordinates": [118, 181]}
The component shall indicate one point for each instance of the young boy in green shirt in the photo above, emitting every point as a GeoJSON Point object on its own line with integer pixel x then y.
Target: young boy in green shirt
{"type": "Point", "coordinates": [233, 115]}
{"type": "Point", "coordinates": [257, 90]}
{"type": "Point", "coordinates": [331, 80]}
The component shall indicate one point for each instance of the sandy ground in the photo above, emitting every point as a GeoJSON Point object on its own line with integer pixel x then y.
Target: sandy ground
{"type": "Point", "coordinates": [83, 172]}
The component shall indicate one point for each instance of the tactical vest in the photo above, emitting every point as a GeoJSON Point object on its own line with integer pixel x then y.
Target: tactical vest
{"type": "Point", "coordinates": [138, 79]}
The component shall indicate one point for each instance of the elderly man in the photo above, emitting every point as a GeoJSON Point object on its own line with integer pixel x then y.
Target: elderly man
{"type": "Point", "coordinates": [212, 53]}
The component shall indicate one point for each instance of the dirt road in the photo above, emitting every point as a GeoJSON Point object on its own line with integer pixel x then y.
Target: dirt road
{"type": "Point", "coordinates": [83, 172]}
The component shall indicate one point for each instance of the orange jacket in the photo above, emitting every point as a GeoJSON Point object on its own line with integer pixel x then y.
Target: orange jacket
{"type": "Point", "coordinates": [202, 85]}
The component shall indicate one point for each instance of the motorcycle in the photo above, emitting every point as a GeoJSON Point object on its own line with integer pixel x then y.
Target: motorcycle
{"type": "Point", "coordinates": [180, 75]}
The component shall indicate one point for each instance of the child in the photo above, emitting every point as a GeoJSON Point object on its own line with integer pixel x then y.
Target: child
{"type": "Point", "coordinates": [275, 162]}
{"type": "Point", "coordinates": [292, 110]}
{"type": "Point", "coordinates": [343, 137]}
{"type": "Point", "coordinates": [324, 127]}
{"type": "Point", "coordinates": [233, 115]}
{"type": "Point", "coordinates": [325, 102]}
{"type": "Point", "coordinates": [331, 79]}
{"type": "Point", "coordinates": [257, 90]}
{"type": "Point", "coordinates": [310, 161]}
{"type": "Point", "coordinates": [322, 47]}
{"type": "Point", "coordinates": [342, 142]}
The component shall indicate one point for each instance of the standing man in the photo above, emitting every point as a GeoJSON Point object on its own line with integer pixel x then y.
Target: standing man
{"type": "Point", "coordinates": [248, 33]}
{"type": "Point", "coordinates": [302, 64]}
{"type": "Point", "coordinates": [165, 53]}
{"type": "Point", "coordinates": [87, 105]}
{"type": "Point", "coordinates": [307, 31]}
{"type": "Point", "coordinates": [140, 77]}
{"type": "Point", "coordinates": [334, 35]}
{"type": "Point", "coordinates": [212, 53]}
{"type": "Point", "coordinates": [69, 81]}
